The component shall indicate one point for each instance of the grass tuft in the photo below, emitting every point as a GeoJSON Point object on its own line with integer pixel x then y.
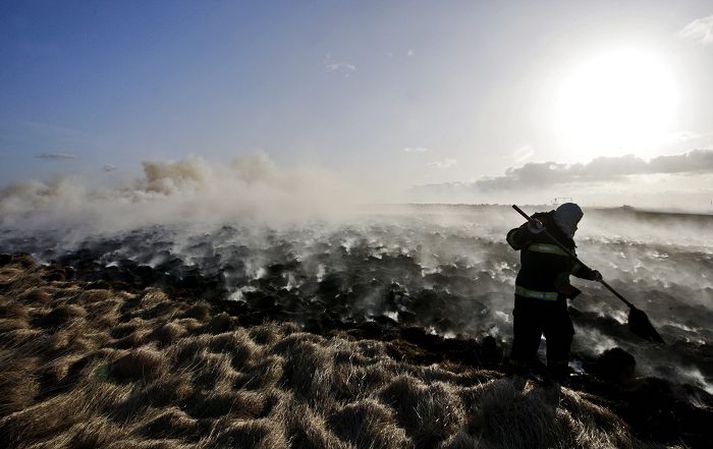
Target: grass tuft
{"type": "Point", "coordinates": [430, 413]}
{"type": "Point", "coordinates": [369, 425]}
{"type": "Point", "coordinates": [139, 365]}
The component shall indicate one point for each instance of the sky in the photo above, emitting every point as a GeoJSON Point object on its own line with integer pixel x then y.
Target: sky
{"type": "Point", "coordinates": [425, 101]}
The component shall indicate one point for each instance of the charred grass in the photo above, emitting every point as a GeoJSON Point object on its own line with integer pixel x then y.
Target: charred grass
{"type": "Point", "coordinates": [101, 368]}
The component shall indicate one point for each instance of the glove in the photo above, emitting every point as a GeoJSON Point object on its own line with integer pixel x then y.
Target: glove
{"type": "Point", "coordinates": [597, 276]}
{"type": "Point", "coordinates": [535, 226]}
{"type": "Point", "coordinates": [569, 291]}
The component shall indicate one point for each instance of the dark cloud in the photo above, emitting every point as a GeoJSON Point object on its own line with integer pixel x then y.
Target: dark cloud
{"type": "Point", "coordinates": [56, 156]}
{"type": "Point", "coordinates": [539, 174]}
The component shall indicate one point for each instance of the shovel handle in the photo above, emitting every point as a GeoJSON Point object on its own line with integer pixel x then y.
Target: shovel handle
{"type": "Point", "coordinates": [575, 258]}
{"type": "Point", "coordinates": [617, 294]}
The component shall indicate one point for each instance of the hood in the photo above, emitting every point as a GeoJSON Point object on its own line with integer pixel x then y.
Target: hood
{"type": "Point", "coordinates": [567, 217]}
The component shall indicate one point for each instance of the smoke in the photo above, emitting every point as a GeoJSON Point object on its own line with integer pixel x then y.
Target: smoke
{"type": "Point", "coordinates": [191, 191]}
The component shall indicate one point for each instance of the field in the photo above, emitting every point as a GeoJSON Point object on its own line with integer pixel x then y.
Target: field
{"type": "Point", "coordinates": [386, 334]}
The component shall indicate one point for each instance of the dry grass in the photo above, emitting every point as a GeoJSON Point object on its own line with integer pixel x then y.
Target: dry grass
{"type": "Point", "coordinates": [98, 368]}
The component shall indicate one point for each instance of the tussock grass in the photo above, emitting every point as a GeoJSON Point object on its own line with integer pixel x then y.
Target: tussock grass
{"type": "Point", "coordinates": [171, 423]}
{"type": "Point", "coordinates": [62, 315]}
{"type": "Point", "coordinates": [98, 296]}
{"type": "Point", "coordinates": [100, 368]}
{"type": "Point", "coordinates": [188, 351]}
{"type": "Point", "coordinates": [306, 429]}
{"type": "Point", "coordinates": [223, 402]}
{"type": "Point", "coordinates": [18, 384]}
{"type": "Point", "coordinates": [219, 324]}
{"type": "Point", "coordinates": [462, 440]}
{"type": "Point", "coordinates": [12, 324]}
{"type": "Point", "coordinates": [12, 309]}
{"type": "Point", "coordinates": [142, 364]}
{"type": "Point", "coordinates": [369, 424]}
{"type": "Point", "coordinates": [167, 334]}
{"type": "Point", "coordinates": [212, 370]}
{"type": "Point", "coordinates": [96, 432]}
{"type": "Point", "coordinates": [168, 390]}
{"type": "Point", "coordinates": [200, 311]}
{"type": "Point", "coordinates": [30, 340]}
{"type": "Point", "coordinates": [308, 368]}
{"type": "Point", "coordinates": [104, 313]}
{"type": "Point", "coordinates": [515, 417]}
{"type": "Point", "coordinates": [38, 295]}
{"type": "Point", "coordinates": [265, 373]}
{"type": "Point", "coordinates": [125, 329]}
{"type": "Point", "coordinates": [430, 412]}
{"type": "Point", "coordinates": [258, 434]}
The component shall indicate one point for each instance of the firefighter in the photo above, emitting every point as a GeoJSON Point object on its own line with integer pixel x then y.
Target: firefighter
{"type": "Point", "coordinates": [542, 288]}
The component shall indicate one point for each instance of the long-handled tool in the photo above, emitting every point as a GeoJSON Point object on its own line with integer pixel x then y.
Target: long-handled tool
{"type": "Point", "coordinates": [639, 322]}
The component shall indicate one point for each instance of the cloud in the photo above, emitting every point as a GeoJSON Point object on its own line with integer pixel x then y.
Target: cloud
{"type": "Point", "coordinates": [56, 156]}
{"type": "Point", "coordinates": [416, 150]}
{"type": "Point", "coordinates": [523, 153]}
{"type": "Point", "coordinates": [700, 31]}
{"type": "Point", "coordinates": [346, 68]}
{"type": "Point", "coordinates": [410, 52]}
{"type": "Point", "coordinates": [539, 174]}
{"type": "Point", "coordinates": [340, 66]}
{"type": "Point", "coordinates": [445, 163]}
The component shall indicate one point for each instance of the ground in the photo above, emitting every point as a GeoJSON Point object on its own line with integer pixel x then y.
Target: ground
{"type": "Point", "coordinates": [86, 365]}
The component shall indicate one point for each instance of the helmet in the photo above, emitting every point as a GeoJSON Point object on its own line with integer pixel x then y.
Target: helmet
{"type": "Point", "coordinates": [567, 217]}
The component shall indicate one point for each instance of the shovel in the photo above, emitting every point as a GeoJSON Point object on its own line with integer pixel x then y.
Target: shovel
{"type": "Point", "coordinates": [639, 322]}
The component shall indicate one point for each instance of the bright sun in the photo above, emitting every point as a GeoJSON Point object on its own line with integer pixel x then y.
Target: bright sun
{"type": "Point", "coordinates": [617, 103]}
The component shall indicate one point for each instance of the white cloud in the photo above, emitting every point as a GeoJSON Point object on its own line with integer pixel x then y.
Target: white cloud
{"type": "Point", "coordinates": [345, 68]}
{"type": "Point", "coordinates": [700, 30]}
{"type": "Point", "coordinates": [416, 150]}
{"type": "Point", "coordinates": [445, 163]}
{"type": "Point", "coordinates": [523, 153]}
{"type": "Point", "coordinates": [56, 156]}
{"type": "Point", "coordinates": [335, 66]}
{"type": "Point", "coordinates": [687, 136]}
{"type": "Point", "coordinates": [410, 52]}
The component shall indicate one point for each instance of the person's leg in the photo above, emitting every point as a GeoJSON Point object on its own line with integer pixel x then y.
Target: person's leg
{"type": "Point", "coordinates": [558, 332]}
{"type": "Point", "coordinates": [527, 331]}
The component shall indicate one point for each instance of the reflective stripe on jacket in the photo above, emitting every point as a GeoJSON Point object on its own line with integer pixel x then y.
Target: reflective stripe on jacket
{"type": "Point", "coordinates": [527, 293]}
{"type": "Point", "coordinates": [547, 248]}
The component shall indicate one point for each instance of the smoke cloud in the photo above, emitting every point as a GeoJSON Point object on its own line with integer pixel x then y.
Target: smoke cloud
{"type": "Point", "coordinates": [251, 188]}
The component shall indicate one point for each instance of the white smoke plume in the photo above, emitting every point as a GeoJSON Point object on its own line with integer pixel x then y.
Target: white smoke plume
{"type": "Point", "coordinates": [251, 188]}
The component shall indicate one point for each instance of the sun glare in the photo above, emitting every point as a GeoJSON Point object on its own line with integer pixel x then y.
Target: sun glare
{"type": "Point", "coordinates": [619, 102]}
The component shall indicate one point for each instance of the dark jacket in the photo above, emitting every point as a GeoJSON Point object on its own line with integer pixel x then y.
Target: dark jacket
{"type": "Point", "coordinates": [545, 268]}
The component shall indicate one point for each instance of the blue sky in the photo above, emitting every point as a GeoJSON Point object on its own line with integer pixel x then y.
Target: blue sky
{"type": "Point", "coordinates": [404, 93]}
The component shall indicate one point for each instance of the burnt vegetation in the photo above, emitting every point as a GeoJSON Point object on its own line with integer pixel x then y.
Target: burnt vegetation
{"type": "Point", "coordinates": [88, 366]}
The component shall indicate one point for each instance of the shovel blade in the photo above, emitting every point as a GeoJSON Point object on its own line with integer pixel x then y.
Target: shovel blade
{"type": "Point", "coordinates": [640, 325]}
